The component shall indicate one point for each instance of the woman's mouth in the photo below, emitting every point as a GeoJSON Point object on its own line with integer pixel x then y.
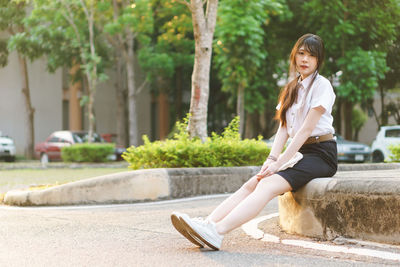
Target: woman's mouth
{"type": "Point", "coordinates": [303, 67]}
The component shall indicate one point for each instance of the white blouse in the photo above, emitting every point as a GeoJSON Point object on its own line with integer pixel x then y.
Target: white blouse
{"type": "Point", "coordinates": [320, 94]}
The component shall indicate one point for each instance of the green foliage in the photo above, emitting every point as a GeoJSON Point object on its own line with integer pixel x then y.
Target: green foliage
{"type": "Point", "coordinates": [239, 51]}
{"type": "Point", "coordinates": [170, 45]}
{"type": "Point", "coordinates": [181, 151]}
{"type": "Point", "coordinates": [361, 73]}
{"type": "Point", "coordinates": [358, 119]}
{"type": "Point", "coordinates": [395, 150]}
{"type": "Point", "coordinates": [355, 44]}
{"type": "Point", "coordinates": [86, 152]}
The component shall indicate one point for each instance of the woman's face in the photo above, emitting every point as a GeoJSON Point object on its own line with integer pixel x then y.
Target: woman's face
{"type": "Point", "coordinates": [306, 64]}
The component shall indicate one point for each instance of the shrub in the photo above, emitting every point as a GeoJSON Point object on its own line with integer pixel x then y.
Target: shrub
{"type": "Point", "coordinates": [87, 152]}
{"type": "Point", "coordinates": [395, 149]}
{"type": "Point", "coordinates": [181, 151]}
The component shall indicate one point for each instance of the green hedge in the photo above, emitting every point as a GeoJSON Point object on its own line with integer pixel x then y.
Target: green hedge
{"type": "Point", "coordinates": [395, 149]}
{"type": "Point", "coordinates": [87, 152]}
{"type": "Point", "coordinates": [181, 151]}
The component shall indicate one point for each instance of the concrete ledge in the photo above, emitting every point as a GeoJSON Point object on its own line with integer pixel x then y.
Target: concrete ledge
{"type": "Point", "coordinates": [136, 186]}
{"type": "Point", "coordinates": [358, 204]}
{"type": "Point", "coordinates": [360, 201]}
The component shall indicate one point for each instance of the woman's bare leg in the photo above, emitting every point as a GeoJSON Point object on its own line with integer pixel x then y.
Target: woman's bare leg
{"type": "Point", "coordinates": [251, 206]}
{"type": "Point", "coordinates": [231, 202]}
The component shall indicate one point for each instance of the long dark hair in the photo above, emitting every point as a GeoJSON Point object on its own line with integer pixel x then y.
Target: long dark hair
{"type": "Point", "coordinates": [314, 45]}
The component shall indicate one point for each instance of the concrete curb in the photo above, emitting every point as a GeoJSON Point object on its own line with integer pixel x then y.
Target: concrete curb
{"type": "Point", "coordinates": [136, 186]}
{"type": "Point", "coordinates": [36, 165]}
{"type": "Point", "coordinates": [363, 205]}
{"type": "Point", "coordinates": [360, 201]}
{"type": "Point", "coordinates": [151, 184]}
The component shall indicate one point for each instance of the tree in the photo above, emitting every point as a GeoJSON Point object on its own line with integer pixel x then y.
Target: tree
{"type": "Point", "coordinates": [167, 59]}
{"type": "Point", "coordinates": [239, 48]}
{"type": "Point", "coordinates": [392, 78]}
{"type": "Point", "coordinates": [12, 16]}
{"type": "Point", "coordinates": [126, 26]}
{"type": "Point", "coordinates": [84, 36]}
{"type": "Point", "coordinates": [203, 29]}
{"type": "Point", "coordinates": [356, 45]}
{"type": "Point", "coordinates": [68, 36]}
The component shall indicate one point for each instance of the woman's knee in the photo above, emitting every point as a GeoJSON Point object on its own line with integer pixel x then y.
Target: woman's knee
{"type": "Point", "coordinates": [274, 184]}
{"type": "Point", "coordinates": [250, 185]}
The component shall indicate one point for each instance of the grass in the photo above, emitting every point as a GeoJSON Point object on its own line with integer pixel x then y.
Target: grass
{"type": "Point", "coordinates": [26, 178]}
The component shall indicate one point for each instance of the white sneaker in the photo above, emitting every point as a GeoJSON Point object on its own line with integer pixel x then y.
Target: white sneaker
{"type": "Point", "coordinates": [176, 222]}
{"type": "Point", "coordinates": [204, 230]}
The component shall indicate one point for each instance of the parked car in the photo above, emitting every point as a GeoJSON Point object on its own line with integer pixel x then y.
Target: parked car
{"type": "Point", "coordinates": [112, 138]}
{"type": "Point", "coordinates": [387, 135]}
{"type": "Point", "coordinates": [7, 148]}
{"type": "Point", "coordinates": [50, 149]}
{"type": "Point", "coordinates": [351, 151]}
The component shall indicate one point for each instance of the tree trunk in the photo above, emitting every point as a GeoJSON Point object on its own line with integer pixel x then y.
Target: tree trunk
{"type": "Point", "coordinates": [30, 111]}
{"type": "Point", "coordinates": [75, 109]}
{"type": "Point", "coordinates": [130, 61]}
{"type": "Point", "coordinates": [348, 118]}
{"type": "Point", "coordinates": [266, 120]}
{"type": "Point", "coordinates": [121, 102]}
{"type": "Point", "coordinates": [203, 29]}
{"type": "Point", "coordinates": [240, 109]}
{"type": "Point", "coordinates": [179, 92]}
{"type": "Point", "coordinates": [163, 115]}
{"type": "Point", "coordinates": [252, 125]}
{"type": "Point", "coordinates": [338, 117]}
{"type": "Point", "coordinates": [121, 82]}
{"type": "Point", "coordinates": [91, 95]}
{"type": "Point", "coordinates": [163, 107]}
{"type": "Point", "coordinates": [384, 115]}
{"type": "Point", "coordinates": [91, 74]}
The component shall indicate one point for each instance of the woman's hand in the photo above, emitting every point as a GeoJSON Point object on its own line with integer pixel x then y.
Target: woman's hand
{"type": "Point", "coordinates": [264, 168]}
{"type": "Point", "coordinates": [270, 168]}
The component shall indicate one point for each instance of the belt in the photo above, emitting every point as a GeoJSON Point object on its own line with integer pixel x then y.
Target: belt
{"type": "Point", "coordinates": [318, 139]}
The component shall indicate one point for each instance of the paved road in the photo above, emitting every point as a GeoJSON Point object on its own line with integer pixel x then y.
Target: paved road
{"type": "Point", "coordinates": [142, 235]}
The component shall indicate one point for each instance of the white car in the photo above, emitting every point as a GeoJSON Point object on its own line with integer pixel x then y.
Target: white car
{"type": "Point", "coordinates": [7, 148]}
{"type": "Point", "coordinates": [387, 135]}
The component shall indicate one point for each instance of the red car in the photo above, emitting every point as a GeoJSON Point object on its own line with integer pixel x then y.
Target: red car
{"type": "Point", "coordinates": [50, 150]}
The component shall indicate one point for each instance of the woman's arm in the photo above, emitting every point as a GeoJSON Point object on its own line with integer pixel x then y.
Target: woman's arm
{"type": "Point", "coordinates": [301, 136]}
{"type": "Point", "coordinates": [280, 139]}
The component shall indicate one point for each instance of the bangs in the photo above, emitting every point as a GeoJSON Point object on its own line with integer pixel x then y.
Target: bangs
{"type": "Point", "coordinates": [312, 46]}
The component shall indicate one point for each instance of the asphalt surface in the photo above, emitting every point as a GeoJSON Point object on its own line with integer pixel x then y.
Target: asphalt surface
{"type": "Point", "coordinates": [142, 235]}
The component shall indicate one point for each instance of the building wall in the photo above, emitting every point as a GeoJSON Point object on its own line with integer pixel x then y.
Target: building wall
{"type": "Point", "coordinates": [45, 96]}
{"type": "Point", "coordinates": [47, 99]}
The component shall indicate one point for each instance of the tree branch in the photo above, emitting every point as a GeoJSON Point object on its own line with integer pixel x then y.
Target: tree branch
{"type": "Point", "coordinates": [141, 87]}
{"type": "Point", "coordinates": [85, 9]}
{"type": "Point", "coordinates": [74, 27]}
{"type": "Point", "coordinates": [185, 3]}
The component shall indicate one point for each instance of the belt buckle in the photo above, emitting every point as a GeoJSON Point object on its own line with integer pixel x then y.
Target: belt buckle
{"type": "Point", "coordinates": [317, 139]}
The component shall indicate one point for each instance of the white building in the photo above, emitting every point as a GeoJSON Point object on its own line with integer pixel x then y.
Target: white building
{"type": "Point", "coordinates": [50, 97]}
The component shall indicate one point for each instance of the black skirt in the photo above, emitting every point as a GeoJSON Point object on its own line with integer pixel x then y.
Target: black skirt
{"type": "Point", "coordinates": [319, 160]}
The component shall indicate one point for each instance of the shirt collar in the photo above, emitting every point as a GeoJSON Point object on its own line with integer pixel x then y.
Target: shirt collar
{"type": "Point", "coordinates": [306, 82]}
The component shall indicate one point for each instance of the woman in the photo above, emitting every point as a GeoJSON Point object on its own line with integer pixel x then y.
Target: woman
{"type": "Point", "coordinates": [304, 112]}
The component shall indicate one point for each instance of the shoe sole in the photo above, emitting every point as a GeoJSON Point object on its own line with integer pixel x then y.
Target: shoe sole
{"type": "Point", "coordinates": [177, 223]}
{"type": "Point", "coordinates": [194, 233]}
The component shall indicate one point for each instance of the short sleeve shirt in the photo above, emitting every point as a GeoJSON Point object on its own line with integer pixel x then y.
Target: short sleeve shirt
{"type": "Point", "coordinates": [320, 94]}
